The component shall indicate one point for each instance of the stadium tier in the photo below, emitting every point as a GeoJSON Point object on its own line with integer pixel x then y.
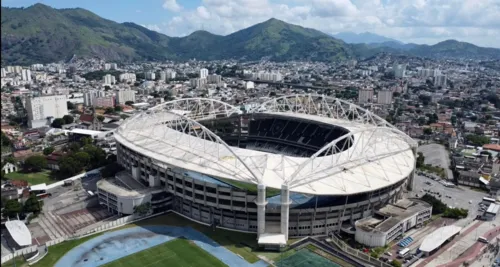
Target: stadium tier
{"type": "Point", "coordinates": [297, 165]}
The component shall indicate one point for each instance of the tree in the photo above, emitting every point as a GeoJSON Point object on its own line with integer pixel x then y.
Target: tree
{"type": "Point", "coordinates": [118, 109]}
{"type": "Point", "coordinates": [100, 118]}
{"type": "Point", "coordinates": [396, 263]}
{"type": "Point", "coordinates": [438, 206]}
{"type": "Point", "coordinates": [427, 131]}
{"type": "Point", "coordinates": [70, 105]}
{"type": "Point", "coordinates": [107, 88]}
{"type": "Point", "coordinates": [129, 103]}
{"type": "Point", "coordinates": [35, 163]}
{"type": "Point", "coordinates": [143, 209]}
{"type": "Point", "coordinates": [97, 156]}
{"type": "Point", "coordinates": [477, 140]}
{"type": "Point", "coordinates": [111, 169]}
{"type": "Point", "coordinates": [57, 123]}
{"type": "Point", "coordinates": [396, 94]}
{"type": "Point", "coordinates": [32, 204]}
{"type": "Point", "coordinates": [6, 140]}
{"type": "Point", "coordinates": [109, 110]}
{"type": "Point", "coordinates": [12, 208]}
{"type": "Point", "coordinates": [48, 150]}
{"type": "Point", "coordinates": [82, 157]}
{"type": "Point", "coordinates": [86, 141]}
{"type": "Point", "coordinates": [69, 166]}
{"type": "Point", "coordinates": [72, 147]}
{"type": "Point", "coordinates": [68, 119]}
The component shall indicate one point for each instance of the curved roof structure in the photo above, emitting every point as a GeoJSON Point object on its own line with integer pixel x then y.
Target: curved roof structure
{"type": "Point", "coordinates": [438, 237]}
{"type": "Point", "coordinates": [19, 232]}
{"type": "Point", "coordinates": [379, 155]}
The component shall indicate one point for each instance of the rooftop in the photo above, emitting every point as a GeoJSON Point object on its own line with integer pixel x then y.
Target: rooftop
{"type": "Point", "coordinates": [394, 214]}
{"type": "Point", "coordinates": [19, 232]}
{"type": "Point", "coordinates": [379, 156]}
{"type": "Point", "coordinates": [438, 237]}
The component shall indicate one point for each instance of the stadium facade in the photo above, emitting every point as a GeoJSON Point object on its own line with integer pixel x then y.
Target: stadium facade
{"type": "Point", "coordinates": [294, 166]}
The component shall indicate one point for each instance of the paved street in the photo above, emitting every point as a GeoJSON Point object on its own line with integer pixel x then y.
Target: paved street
{"type": "Point", "coordinates": [436, 155]}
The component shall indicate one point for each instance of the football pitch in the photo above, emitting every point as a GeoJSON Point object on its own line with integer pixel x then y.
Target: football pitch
{"type": "Point", "coordinates": [176, 253]}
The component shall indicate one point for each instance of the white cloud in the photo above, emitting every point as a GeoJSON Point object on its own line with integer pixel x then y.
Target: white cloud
{"type": "Point", "coordinates": [203, 12]}
{"type": "Point", "coordinates": [172, 5]}
{"type": "Point", "coordinates": [422, 21]}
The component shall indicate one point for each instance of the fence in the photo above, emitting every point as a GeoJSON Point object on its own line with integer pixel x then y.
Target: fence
{"type": "Point", "coordinates": [111, 225]}
{"type": "Point", "coordinates": [356, 253]}
{"type": "Point", "coordinates": [19, 253]}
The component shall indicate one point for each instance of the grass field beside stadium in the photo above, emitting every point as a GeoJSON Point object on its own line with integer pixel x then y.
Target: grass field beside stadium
{"type": "Point", "coordinates": [176, 253]}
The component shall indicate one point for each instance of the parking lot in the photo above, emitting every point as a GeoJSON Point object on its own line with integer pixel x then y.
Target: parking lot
{"type": "Point", "coordinates": [457, 197]}
{"type": "Point", "coordinates": [436, 155]}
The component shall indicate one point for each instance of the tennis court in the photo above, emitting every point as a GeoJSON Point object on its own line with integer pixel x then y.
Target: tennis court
{"type": "Point", "coordinates": [306, 258]}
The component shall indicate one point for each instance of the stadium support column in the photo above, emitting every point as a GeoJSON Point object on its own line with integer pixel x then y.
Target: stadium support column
{"type": "Point", "coordinates": [409, 185]}
{"type": "Point", "coordinates": [285, 210]}
{"type": "Point", "coordinates": [261, 209]}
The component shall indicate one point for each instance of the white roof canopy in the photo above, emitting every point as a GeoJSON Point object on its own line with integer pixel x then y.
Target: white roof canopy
{"type": "Point", "coordinates": [438, 237]}
{"type": "Point", "coordinates": [379, 156]}
{"type": "Point", "coordinates": [19, 232]}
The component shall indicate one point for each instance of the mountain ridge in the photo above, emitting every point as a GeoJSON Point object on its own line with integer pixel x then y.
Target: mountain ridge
{"type": "Point", "coordinates": [42, 34]}
{"type": "Point", "coordinates": [363, 38]}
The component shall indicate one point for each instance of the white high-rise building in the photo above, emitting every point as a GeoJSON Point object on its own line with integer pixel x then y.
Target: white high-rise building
{"type": "Point", "coordinates": [214, 78]}
{"type": "Point", "coordinates": [3, 72]}
{"type": "Point", "coordinates": [110, 66]}
{"type": "Point", "coordinates": [440, 80]}
{"type": "Point", "coordinates": [127, 77]}
{"type": "Point", "coordinates": [17, 69]}
{"type": "Point", "coordinates": [88, 97]}
{"type": "Point", "coordinates": [41, 108]}
{"type": "Point", "coordinates": [109, 79]}
{"type": "Point", "coordinates": [163, 76]}
{"type": "Point", "coordinates": [384, 97]}
{"type": "Point", "coordinates": [37, 67]}
{"type": "Point", "coordinates": [123, 96]}
{"type": "Point", "coordinates": [26, 75]}
{"type": "Point", "coordinates": [399, 70]}
{"type": "Point", "coordinates": [365, 95]}
{"type": "Point", "coordinates": [203, 73]}
{"type": "Point", "coordinates": [171, 74]}
{"type": "Point", "coordinates": [198, 82]}
{"type": "Point", "coordinates": [149, 75]}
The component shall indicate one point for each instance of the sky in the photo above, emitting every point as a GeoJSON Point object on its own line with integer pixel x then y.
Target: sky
{"type": "Point", "coordinates": [415, 21]}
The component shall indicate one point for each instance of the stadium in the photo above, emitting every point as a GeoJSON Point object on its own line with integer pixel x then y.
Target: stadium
{"type": "Point", "coordinates": [293, 166]}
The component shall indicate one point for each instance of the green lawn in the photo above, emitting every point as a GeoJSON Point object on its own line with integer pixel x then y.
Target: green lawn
{"type": "Point", "coordinates": [177, 253]}
{"type": "Point", "coordinates": [306, 258]}
{"type": "Point", "coordinates": [242, 244]}
{"type": "Point", "coordinates": [33, 178]}
{"type": "Point", "coordinates": [57, 251]}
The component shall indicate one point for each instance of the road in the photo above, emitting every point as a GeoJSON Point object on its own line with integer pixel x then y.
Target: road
{"type": "Point", "coordinates": [437, 155]}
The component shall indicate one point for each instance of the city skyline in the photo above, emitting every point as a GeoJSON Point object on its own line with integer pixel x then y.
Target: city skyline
{"type": "Point", "coordinates": [419, 21]}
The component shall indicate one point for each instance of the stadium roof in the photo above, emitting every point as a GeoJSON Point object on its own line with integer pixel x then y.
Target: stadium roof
{"type": "Point", "coordinates": [438, 237]}
{"type": "Point", "coordinates": [19, 232]}
{"type": "Point", "coordinates": [379, 156]}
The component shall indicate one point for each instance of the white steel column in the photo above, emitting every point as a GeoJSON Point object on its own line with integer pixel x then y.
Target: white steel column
{"type": "Point", "coordinates": [285, 210]}
{"type": "Point", "coordinates": [261, 209]}
{"type": "Point", "coordinates": [409, 185]}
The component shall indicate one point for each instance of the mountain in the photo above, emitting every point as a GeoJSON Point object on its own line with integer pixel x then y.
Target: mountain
{"type": "Point", "coordinates": [453, 48]}
{"type": "Point", "coordinates": [41, 34]}
{"type": "Point", "coordinates": [363, 38]}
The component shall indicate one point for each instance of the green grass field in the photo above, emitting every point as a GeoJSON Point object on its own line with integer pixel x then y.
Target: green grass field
{"type": "Point", "coordinates": [176, 253]}
{"type": "Point", "coordinates": [33, 178]}
{"type": "Point", "coordinates": [306, 258]}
